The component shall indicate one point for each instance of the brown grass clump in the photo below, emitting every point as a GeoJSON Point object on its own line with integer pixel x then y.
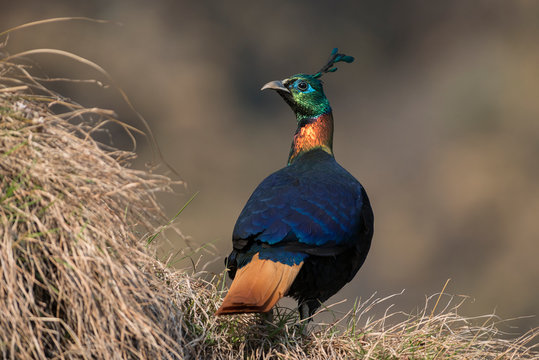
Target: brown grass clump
{"type": "Point", "coordinates": [77, 280]}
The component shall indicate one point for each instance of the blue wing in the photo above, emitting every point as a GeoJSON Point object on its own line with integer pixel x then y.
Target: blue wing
{"type": "Point", "coordinates": [310, 207]}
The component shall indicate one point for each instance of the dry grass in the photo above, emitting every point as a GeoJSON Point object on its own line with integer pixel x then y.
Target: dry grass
{"type": "Point", "coordinates": [77, 280]}
{"type": "Point", "coordinates": [436, 332]}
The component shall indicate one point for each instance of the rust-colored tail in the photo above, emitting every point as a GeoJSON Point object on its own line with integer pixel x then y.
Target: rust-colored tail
{"type": "Point", "coordinates": [258, 286]}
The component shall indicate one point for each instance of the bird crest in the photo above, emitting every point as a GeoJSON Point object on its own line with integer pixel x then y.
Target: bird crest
{"type": "Point", "coordinates": [333, 59]}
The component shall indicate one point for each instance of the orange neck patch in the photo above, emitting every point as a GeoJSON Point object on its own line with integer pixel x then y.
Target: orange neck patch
{"type": "Point", "coordinates": [315, 134]}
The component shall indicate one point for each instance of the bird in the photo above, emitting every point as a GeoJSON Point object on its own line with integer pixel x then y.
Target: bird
{"type": "Point", "coordinates": [307, 228]}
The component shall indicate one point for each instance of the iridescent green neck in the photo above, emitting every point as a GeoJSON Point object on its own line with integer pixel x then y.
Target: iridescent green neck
{"type": "Point", "coordinates": [308, 107]}
{"type": "Point", "coordinates": [312, 133]}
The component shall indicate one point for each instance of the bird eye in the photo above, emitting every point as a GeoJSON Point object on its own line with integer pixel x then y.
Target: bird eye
{"type": "Point", "coordinates": [302, 85]}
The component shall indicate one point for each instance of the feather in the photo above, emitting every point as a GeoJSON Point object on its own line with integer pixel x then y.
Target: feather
{"type": "Point", "coordinates": [258, 286]}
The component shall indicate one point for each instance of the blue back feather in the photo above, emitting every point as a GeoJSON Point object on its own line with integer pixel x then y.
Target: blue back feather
{"type": "Point", "coordinates": [310, 204]}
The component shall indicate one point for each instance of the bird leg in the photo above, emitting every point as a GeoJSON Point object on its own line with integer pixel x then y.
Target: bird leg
{"type": "Point", "coordinates": [307, 308]}
{"type": "Point", "coordinates": [304, 311]}
{"type": "Point", "coordinates": [266, 317]}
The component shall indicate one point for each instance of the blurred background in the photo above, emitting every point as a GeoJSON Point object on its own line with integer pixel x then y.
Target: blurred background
{"type": "Point", "coordinates": [438, 117]}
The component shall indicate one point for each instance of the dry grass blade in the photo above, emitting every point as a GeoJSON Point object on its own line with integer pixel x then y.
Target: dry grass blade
{"type": "Point", "coordinates": [14, 89]}
{"type": "Point", "coordinates": [52, 20]}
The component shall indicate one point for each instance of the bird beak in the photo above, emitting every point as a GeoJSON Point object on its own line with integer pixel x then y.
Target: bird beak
{"type": "Point", "coordinates": [276, 85]}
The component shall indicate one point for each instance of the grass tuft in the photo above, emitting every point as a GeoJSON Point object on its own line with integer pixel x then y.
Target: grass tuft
{"type": "Point", "coordinates": [75, 279]}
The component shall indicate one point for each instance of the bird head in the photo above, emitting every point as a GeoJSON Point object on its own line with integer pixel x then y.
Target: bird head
{"type": "Point", "coordinates": [304, 93]}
